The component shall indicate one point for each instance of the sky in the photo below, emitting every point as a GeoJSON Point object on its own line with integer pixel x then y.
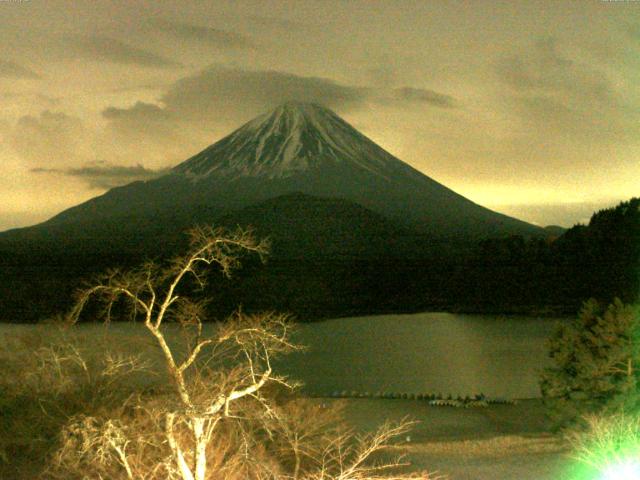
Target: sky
{"type": "Point", "coordinates": [528, 108]}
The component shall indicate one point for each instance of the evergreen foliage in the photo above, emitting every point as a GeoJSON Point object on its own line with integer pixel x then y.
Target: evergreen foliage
{"type": "Point", "coordinates": [334, 258]}
{"type": "Point", "coordinates": [600, 260]}
{"type": "Point", "coordinates": [596, 364]}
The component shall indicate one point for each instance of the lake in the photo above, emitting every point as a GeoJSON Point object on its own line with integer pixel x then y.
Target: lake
{"type": "Point", "coordinates": [499, 356]}
{"type": "Point", "coordinates": [457, 354]}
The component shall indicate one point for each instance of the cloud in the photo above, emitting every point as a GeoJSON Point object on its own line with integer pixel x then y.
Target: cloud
{"type": "Point", "coordinates": [11, 69]}
{"type": "Point", "coordinates": [200, 107]}
{"type": "Point", "coordinates": [425, 96]}
{"type": "Point", "coordinates": [542, 69]}
{"type": "Point", "coordinates": [275, 23]}
{"type": "Point", "coordinates": [235, 93]}
{"type": "Point", "coordinates": [30, 98]}
{"type": "Point", "coordinates": [213, 36]}
{"type": "Point", "coordinates": [151, 133]}
{"type": "Point", "coordinates": [55, 142]}
{"type": "Point", "coordinates": [219, 98]}
{"type": "Point", "coordinates": [555, 94]}
{"type": "Point", "coordinates": [102, 175]}
{"type": "Point", "coordinates": [142, 122]}
{"type": "Point", "coordinates": [58, 143]}
{"type": "Point", "coordinates": [383, 75]}
{"type": "Point", "coordinates": [99, 48]}
{"type": "Point", "coordinates": [51, 137]}
{"type": "Point", "coordinates": [157, 86]}
{"type": "Point", "coordinates": [140, 111]}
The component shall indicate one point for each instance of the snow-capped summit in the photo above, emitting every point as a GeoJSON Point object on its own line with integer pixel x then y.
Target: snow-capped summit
{"type": "Point", "coordinates": [294, 137]}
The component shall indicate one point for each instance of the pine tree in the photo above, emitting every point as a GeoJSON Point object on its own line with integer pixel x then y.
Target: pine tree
{"type": "Point", "coordinates": [596, 364]}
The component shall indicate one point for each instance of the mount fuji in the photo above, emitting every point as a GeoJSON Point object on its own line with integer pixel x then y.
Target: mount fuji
{"type": "Point", "coordinates": [353, 229]}
{"type": "Point", "coordinates": [296, 148]}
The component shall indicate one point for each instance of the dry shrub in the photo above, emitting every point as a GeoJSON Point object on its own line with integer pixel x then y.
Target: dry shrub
{"type": "Point", "coordinates": [217, 411]}
{"type": "Point", "coordinates": [95, 422]}
{"type": "Point", "coordinates": [303, 440]}
{"type": "Point", "coordinates": [47, 376]}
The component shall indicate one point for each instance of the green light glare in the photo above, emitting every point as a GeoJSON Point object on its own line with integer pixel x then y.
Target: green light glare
{"type": "Point", "coordinates": [625, 470]}
{"type": "Point", "coordinates": [609, 449]}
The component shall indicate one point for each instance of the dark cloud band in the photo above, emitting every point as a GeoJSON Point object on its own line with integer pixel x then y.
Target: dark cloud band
{"type": "Point", "coordinates": [213, 36]}
{"type": "Point", "coordinates": [220, 96]}
{"type": "Point", "coordinates": [11, 69]}
{"type": "Point", "coordinates": [239, 92]}
{"type": "Point", "coordinates": [424, 95]}
{"type": "Point", "coordinates": [99, 48]}
{"type": "Point", "coordinates": [103, 175]}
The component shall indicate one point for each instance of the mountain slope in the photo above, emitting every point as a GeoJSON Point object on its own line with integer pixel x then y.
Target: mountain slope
{"type": "Point", "coordinates": [328, 257]}
{"type": "Point", "coordinates": [295, 137]}
{"type": "Point", "coordinates": [304, 227]}
{"type": "Point", "coordinates": [298, 147]}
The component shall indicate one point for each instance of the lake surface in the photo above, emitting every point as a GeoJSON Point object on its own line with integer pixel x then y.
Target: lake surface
{"type": "Point", "coordinates": [424, 353]}
{"type": "Point", "coordinates": [500, 356]}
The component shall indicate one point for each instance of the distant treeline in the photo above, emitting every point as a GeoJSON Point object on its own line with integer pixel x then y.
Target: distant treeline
{"type": "Point", "coordinates": [600, 260]}
{"type": "Point", "coordinates": [507, 275]}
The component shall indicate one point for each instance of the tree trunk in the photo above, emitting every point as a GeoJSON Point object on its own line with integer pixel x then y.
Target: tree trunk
{"type": "Point", "coordinates": [201, 448]}
{"type": "Point", "coordinates": [185, 471]}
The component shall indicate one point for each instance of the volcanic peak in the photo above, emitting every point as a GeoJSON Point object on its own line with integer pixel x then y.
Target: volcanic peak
{"type": "Point", "coordinates": [295, 137]}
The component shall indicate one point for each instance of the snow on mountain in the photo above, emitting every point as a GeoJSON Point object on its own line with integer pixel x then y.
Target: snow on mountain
{"type": "Point", "coordinates": [293, 138]}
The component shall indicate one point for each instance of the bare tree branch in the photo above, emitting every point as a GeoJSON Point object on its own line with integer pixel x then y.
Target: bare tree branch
{"type": "Point", "coordinates": [220, 378]}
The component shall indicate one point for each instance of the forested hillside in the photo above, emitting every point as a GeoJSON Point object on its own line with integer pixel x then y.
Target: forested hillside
{"type": "Point", "coordinates": [600, 260]}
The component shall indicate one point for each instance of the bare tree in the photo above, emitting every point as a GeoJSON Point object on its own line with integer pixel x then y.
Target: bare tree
{"type": "Point", "coordinates": [352, 457]}
{"type": "Point", "coordinates": [305, 428]}
{"type": "Point", "coordinates": [252, 341]}
{"type": "Point", "coordinates": [219, 377]}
